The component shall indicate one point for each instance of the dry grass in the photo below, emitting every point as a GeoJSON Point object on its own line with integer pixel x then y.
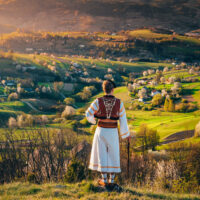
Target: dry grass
{"type": "Point", "coordinates": [83, 190]}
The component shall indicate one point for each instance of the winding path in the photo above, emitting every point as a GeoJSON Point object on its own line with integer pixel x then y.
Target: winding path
{"type": "Point", "coordinates": [30, 105]}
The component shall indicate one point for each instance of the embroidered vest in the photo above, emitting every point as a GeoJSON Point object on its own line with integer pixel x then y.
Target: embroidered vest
{"type": "Point", "coordinates": [108, 112]}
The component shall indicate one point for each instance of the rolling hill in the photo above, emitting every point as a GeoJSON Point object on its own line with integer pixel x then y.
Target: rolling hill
{"type": "Point", "coordinates": [98, 15]}
{"type": "Point", "coordinates": [142, 44]}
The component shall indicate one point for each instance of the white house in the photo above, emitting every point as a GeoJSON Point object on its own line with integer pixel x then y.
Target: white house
{"type": "Point", "coordinates": [154, 92]}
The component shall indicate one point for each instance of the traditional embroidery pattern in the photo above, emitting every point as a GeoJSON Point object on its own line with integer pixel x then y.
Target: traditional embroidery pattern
{"type": "Point", "coordinates": [96, 165]}
{"type": "Point", "coordinates": [122, 114]}
{"type": "Point", "coordinates": [109, 104]}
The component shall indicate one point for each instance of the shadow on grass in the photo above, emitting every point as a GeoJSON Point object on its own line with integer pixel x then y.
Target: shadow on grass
{"type": "Point", "coordinates": [159, 196]}
{"type": "Point", "coordinates": [30, 191]}
{"type": "Point", "coordinates": [96, 189]}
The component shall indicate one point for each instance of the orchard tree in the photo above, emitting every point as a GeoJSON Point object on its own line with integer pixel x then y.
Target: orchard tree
{"type": "Point", "coordinates": [164, 92]}
{"type": "Point", "coordinates": [20, 121]}
{"type": "Point", "coordinates": [29, 120]}
{"type": "Point", "coordinates": [197, 130]}
{"type": "Point", "coordinates": [166, 104]}
{"type": "Point", "coordinates": [44, 119]}
{"type": "Point", "coordinates": [158, 76]}
{"type": "Point", "coordinates": [152, 139]}
{"type": "Point", "coordinates": [69, 101]}
{"type": "Point", "coordinates": [148, 138]}
{"type": "Point", "coordinates": [13, 96]}
{"type": "Point", "coordinates": [172, 79]}
{"type": "Point", "coordinates": [162, 80]}
{"type": "Point", "coordinates": [191, 71]}
{"type": "Point", "coordinates": [166, 69]}
{"type": "Point", "coordinates": [142, 93]}
{"type": "Point", "coordinates": [171, 107]}
{"type": "Point", "coordinates": [157, 100]}
{"type": "Point", "coordinates": [68, 112]}
{"type": "Point", "coordinates": [12, 122]}
{"type": "Point", "coordinates": [145, 73]}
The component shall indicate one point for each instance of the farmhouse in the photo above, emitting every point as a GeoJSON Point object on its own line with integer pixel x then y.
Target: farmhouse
{"type": "Point", "coordinates": [25, 68]}
{"type": "Point", "coordinates": [10, 83]}
{"type": "Point", "coordinates": [76, 65]}
{"type": "Point", "coordinates": [29, 89]}
{"type": "Point", "coordinates": [29, 49]}
{"type": "Point", "coordinates": [68, 87]}
{"type": "Point", "coordinates": [154, 92]}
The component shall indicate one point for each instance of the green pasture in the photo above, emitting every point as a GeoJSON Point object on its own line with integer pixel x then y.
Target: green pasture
{"type": "Point", "coordinates": [165, 123]}
{"type": "Point", "coordinates": [64, 62]}
{"type": "Point", "coordinates": [1, 90]}
{"type": "Point", "coordinates": [14, 106]}
{"type": "Point", "coordinates": [195, 90]}
{"type": "Point", "coordinates": [192, 140]}
{"type": "Point", "coordinates": [5, 63]}
{"type": "Point", "coordinates": [183, 73]}
{"type": "Point", "coordinates": [103, 64]}
{"type": "Point", "coordinates": [148, 34]}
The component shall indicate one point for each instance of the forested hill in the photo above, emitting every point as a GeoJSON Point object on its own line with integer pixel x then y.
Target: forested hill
{"type": "Point", "coordinates": [99, 15]}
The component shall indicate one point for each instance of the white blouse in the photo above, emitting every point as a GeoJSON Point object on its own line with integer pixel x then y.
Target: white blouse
{"type": "Point", "coordinates": [124, 130]}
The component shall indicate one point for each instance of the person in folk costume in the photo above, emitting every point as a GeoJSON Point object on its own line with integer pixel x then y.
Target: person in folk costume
{"type": "Point", "coordinates": [105, 154]}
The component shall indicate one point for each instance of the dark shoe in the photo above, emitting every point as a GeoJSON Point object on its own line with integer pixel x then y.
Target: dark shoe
{"type": "Point", "coordinates": [113, 187]}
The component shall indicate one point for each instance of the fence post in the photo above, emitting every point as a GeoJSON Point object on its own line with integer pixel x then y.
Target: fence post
{"type": "Point", "coordinates": [128, 157]}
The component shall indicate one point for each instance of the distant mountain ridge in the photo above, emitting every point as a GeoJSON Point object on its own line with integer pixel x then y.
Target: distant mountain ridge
{"type": "Point", "coordinates": [100, 15]}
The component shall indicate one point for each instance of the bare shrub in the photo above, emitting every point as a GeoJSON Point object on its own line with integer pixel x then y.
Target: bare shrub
{"type": "Point", "coordinates": [162, 80]}
{"type": "Point", "coordinates": [68, 112]}
{"type": "Point", "coordinates": [197, 129]}
{"type": "Point", "coordinates": [172, 79]}
{"type": "Point", "coordinates": [166, 69]}
{"type": "Point", "coordinates": [12, 122]}
{"type": "Point", "coordinates": [13, 96]}
{"type": "Point", "coordinates": [45, 119]}
{"type": "Point", "coordinates": [20, 121]}
{"type": "Point", "coordinates": [165, 175]}
{"type": "Point", "coordinates": [145, 73]}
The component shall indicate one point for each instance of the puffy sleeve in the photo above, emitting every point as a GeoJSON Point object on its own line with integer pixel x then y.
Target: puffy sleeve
{"type": "Point", "coordinates": [91, 110]}
{"type": "Point", "coordinates": [124, 130]}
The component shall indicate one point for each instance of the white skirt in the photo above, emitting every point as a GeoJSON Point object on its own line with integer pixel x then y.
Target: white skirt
{"type": "Point", "coordinates": [105, 155]}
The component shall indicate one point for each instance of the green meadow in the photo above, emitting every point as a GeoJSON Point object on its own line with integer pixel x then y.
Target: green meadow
{"type": "Point", "coordinates": [63, 63]}
{"type": "Point", "coordinates": [14, 106]}
{"type": "Point", "coordinates": [166, 123]}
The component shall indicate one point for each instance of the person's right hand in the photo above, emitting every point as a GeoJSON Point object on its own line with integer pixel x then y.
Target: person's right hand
{"type": "Point", "coordinates": [128, 138]}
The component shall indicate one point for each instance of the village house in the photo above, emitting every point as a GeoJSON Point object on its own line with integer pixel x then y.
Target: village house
{"type": "Point", "coordinates": [10, 83]}
{"type": "Point", "coordinates": [82, 46]}
{"type": "Point", "coordinates": [25, 68]}
{"type": "Point", "coordinates": [28, 89]}
{"type": "Point", "coordinates": [154, 92]}
{"type": "Point", "coordinates": [142, 82]}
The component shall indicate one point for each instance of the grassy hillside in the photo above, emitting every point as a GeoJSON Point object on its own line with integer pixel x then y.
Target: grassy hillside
{"type": "Point", "coordinates": [62, 64]}
{"type": "Point", "coordinates": [166, 123]}
{"type": "Point", "coordinates": [96, 15]}
{"type": "Point", "coordinates": [84, 190]}
{"type": "Point", "coordinates": [14, 106]}
{"type": "Point", "coordinates": [143, 44]}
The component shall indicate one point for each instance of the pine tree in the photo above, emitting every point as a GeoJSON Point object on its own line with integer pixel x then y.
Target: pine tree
{"type": "Point", "coordinates": [171, 107]}
{"type": "Point", "coordinates": [166, 105]}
